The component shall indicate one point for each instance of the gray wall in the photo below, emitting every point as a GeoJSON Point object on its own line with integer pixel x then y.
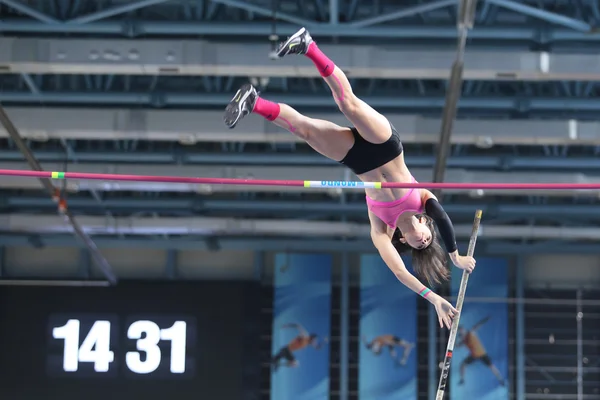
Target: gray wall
{"type": "Point", "coordinates": [553, 270]}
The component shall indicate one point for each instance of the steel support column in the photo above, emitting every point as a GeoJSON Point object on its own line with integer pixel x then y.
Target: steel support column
{"type": "Point", "coordinates": [334, 12]}
{"type": "Point", "coordinates": [520, 329]}
{"type": "Point", "coordinates": [344, 326]}
{"type": "Point", "coordinates": [453, 92]}
{"type": "Point", "coordinates": [49, 187]}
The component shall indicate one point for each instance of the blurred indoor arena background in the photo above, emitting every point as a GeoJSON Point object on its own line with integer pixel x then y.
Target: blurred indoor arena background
{"type": "Point", "coordinates": [214, 281]}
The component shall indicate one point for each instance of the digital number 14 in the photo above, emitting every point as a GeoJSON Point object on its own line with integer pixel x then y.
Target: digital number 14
{"type": "Point", "coordinates": [95, 347]}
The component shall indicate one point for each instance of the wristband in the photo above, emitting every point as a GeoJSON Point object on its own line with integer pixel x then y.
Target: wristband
{"type": "Point", "coordinates": [424, 292]}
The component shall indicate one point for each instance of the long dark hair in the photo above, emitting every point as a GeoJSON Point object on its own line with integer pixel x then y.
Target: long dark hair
{"type": "Point", "coordinates": [430, 263]}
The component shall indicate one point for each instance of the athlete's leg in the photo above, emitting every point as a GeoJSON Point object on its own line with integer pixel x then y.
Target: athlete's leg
{"type": "Point", "coordinates": [497, 374]}
{"type": "Point", "coordinates": [367, 344]}
{"type": "Point", "coordinates": [463, 366]}
{"type": "Point", "coordinates": [393, 353]}
{"type": "Point", "coordinates": [407, 350]}
{"type": "Point", "coordinates": [467, 361]}
{"type": "Point", "coordinates": [488, 362]}
{"type": "Point", "coordinates": [277, 358]}
{"type": "Point", "coordinates": [372, 126]}
{"type": "Point", "coordinates": [320, 343]}
{"type": "Point", "coordinates": [291, 360]}
{"type": "Point", "coordinates": [329, 139]}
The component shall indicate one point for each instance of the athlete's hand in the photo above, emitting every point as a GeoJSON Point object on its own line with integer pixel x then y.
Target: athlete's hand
{"type": "Point", "coordinates": [465, 262]}
{"type": "Point", "coordinates": [445, 311]}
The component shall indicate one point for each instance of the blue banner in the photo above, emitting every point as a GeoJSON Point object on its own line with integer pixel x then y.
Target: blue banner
{"type": "Point", "coordinates": [480, 362]}
{"type": "Point", "coordinates": [388, 334]}
{"type": "Point", "coordinates": [301, 326]}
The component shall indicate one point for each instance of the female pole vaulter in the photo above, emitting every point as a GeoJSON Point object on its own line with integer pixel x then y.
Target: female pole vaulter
{"type": "Point", "coordinates": [401, 219]}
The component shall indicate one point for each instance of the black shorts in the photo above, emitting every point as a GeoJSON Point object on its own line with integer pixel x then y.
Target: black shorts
{"type": "Point", "coordinates": [399, 341]}
{"type": "Point", "coordinates": [485, 359]}
{"type": "Point", "coordinates": [285, 354]}
{"type": "Point", "coordinates": [366, 156]}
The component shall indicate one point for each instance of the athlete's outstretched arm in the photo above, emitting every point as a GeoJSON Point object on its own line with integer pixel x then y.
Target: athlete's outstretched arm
{"type": "Point", "coordinates": [317, 344]}
{"type": "Point", "coordinates": [435, 210]}
{"type": "Point", "coordinates": [365, 341]}
{"type": "Point", "coordinates": [480, 324]}
{"type": "Point", "coordinates": [390, 256]}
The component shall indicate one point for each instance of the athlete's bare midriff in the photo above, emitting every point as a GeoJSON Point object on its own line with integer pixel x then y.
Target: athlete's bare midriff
{"type": "Point", "coordinates": [385, 339]}
{"type": "Point", "coordinates": [298, 343]}
{"type": "Point", "coordinates": [393, 171]}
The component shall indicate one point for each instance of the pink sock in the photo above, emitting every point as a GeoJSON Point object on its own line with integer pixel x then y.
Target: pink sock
{"type": "Point", "coordinates": [321, 61]}
{"type": "Point", "coordinates": [267, 109]}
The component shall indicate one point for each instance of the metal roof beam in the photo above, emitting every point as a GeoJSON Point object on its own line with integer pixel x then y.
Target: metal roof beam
{"type": "Point", "coordinates": [201, 57]}
{"type": "Point", "coordinates": [264, 29]}
{"type": "Point", "coordinates": [484, 246]}
{"type": "Point", "coordinates": [111, 12]}
{"type": "Point", "coordinates": [189, 127]}
{"type": "Point", "coordinates": [265, 12]}
{"type": "Point", "coordinates": [31, 12]}
{"type": "Point", "coordinates": [544, 15]}
{"type": "Point", "coordinates": [414, 104]}
{"type": "Point", "coordinates": [491, 162]}
{"type": "Point", "coordinates": [196, 205]}
{"type": "Point", "coordinates": [207, 226]}
{"type": "Point", "coordinates": [405, 12]}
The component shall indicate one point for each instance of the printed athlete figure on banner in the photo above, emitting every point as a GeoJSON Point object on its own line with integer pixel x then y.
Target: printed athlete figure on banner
{"type": "Point", "coordinates": [477, 352]}
{"type": "Point", "coordinates": [300, 342]}
{"type": "Point", "coordinates": [401, 219]}
{"type": "Point", "coordinates": [391, 342]}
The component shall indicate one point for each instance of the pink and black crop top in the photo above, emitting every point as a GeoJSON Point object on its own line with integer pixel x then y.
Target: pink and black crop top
{"type": "Point", "coordinates": [389, 211]}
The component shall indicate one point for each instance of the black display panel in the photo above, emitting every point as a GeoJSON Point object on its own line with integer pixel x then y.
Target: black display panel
{"type": "Point", "coordinates": [135, 340]}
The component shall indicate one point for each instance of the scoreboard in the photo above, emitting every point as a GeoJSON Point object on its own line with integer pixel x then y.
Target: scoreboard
{"type": "Point", "coordinates": [90, 345]}
{"type": "Point", "coordinates": [134, 340]}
